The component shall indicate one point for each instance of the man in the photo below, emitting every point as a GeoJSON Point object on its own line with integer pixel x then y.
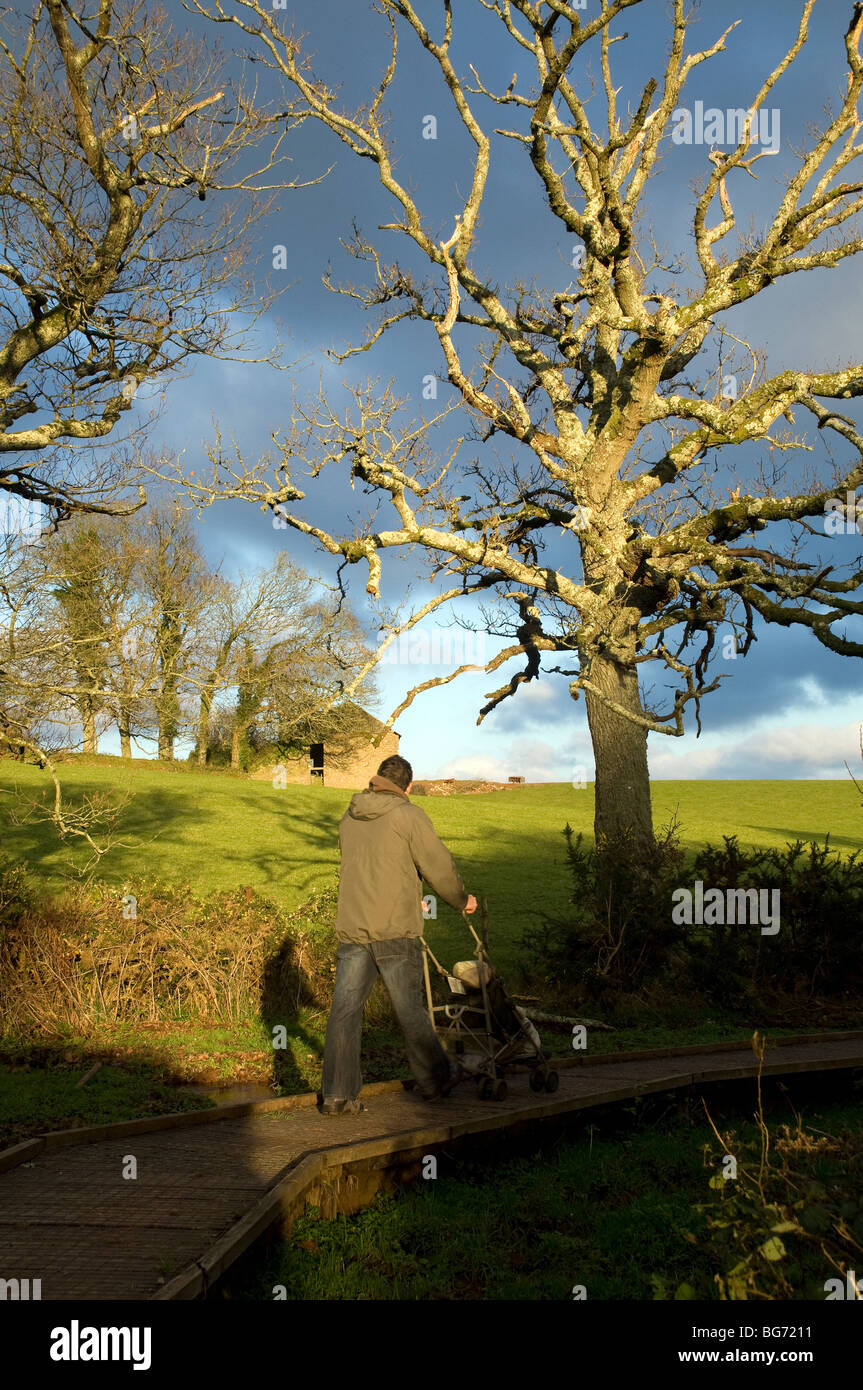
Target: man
{"type": "Point", "coordinates": [388, 846]}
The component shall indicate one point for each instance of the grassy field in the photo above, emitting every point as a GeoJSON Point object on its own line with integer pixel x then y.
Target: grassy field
{"type": "Point", "coordinates": [219, 831]}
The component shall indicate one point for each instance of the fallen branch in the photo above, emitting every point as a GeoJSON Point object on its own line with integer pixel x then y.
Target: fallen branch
{"type": "Point", "coordinates": [97, 1066]}
{"type": "Point", "coordinates": [536, 1017]}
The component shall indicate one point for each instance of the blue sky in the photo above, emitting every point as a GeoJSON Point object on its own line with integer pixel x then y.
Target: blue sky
{"type": "Point", "coordinates": [791, 708]}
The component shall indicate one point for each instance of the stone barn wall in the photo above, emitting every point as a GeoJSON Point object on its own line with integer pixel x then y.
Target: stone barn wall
{"type": "Point", "coordinates": [352, 771]}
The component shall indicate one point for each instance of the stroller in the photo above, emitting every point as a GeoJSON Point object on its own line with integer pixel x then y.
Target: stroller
{"type": "Point", "coordinates": [481, 1026]}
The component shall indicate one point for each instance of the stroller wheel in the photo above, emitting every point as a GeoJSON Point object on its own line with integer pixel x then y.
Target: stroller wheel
{"type": "Point", "coordinates": [537, 1079]}
{"type": "Point", "coordinates": [552, 1081]}
{"type": "Point", "coordinates": [485, 1088]}
{"type": "Point", "coordinates": [499, 1089]}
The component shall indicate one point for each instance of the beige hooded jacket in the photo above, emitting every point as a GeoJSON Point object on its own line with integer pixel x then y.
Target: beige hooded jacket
{"type": "Point", "coordinates": [388, 846]}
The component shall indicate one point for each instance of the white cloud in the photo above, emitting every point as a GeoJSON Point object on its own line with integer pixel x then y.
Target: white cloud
{"type": "Point", "coordinates": [680, 766]}
{"type": "Point", "coordinates": [476, 767]}
{"type": "Point", "coordinates": [796, 751]}
{"type": "Point", "coordinates": [538, 693]}
{"type": "Point", "coordinates": [810, 746]}
{"type": "Point", "coordinates": [528, 758]}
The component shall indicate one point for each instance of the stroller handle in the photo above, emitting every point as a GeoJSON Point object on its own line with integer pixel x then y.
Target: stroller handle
{"type": "Point", "coordinates": [480, 941]}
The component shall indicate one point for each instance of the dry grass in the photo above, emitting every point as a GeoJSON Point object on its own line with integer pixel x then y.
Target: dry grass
{"type": "Point", "coordinates": [91, 957]}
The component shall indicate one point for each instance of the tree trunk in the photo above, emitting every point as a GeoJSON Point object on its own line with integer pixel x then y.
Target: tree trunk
{"type": "Point", "coordinates": [167, 726]}
{"type": "Point", "coordinates": [88, 721]}
{"type": "Point", "coordinates": [235, 745]}
{"type": "Point", "coordinates": [623, 812]}
{"type": "Point", "coordinates": [167, 711]}
{"type": "Point", "coordinates": [124, 724]}
{"type": "Point", "coordinates": [204, 727]}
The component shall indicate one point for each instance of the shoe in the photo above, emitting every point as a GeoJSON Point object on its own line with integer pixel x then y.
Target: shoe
{"type": "Point", "coordinates": [457, 1074]}
{"type": "Point", "coordinates": [342, 1107]}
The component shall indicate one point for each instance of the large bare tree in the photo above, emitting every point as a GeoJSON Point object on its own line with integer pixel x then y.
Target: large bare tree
{"type": "Point", "coordinates": [602, 385]}
{"type": "Point", "coordinates": [113, 273]}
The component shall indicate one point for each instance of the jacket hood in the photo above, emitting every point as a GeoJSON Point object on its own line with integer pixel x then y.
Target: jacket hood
{"type": "Point", "coordinates": [381, 797]}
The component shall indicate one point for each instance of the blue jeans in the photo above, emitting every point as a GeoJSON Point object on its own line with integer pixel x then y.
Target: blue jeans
{"type": "Point", "coordinates": [399, 963]}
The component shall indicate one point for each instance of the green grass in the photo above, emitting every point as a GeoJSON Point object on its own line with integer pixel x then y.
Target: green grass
{"type": "Point", "coordinates": [220, 831]}
{"type": "Point", "coordinates": [37, 1098]}
{"type": "Point", "coordinates": [613, 1212]}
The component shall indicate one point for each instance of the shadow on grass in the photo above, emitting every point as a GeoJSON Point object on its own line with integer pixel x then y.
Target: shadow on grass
{"type": "Point", "coordinates": [166, 826]}
{"type": "Point", "coordinates": [41, 1088]}
{"type": "Point", "coordinates": [817, 835]}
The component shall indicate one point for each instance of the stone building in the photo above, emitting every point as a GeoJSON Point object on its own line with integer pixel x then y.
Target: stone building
{"type": "Point", "coordinates": [350, 770]}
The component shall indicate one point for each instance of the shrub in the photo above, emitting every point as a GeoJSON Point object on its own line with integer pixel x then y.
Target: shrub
{"type": "Point", "coordinates": [618, 939]}
{"type": "Point", "coordinates": [76, 961]}
{"type": "Point", "coordinates": [819, 947]}
{"type": "Point", "coordinates": [619, 931]}
{"type": "Point", "coordinates": [791, 1217]}
{"type": "Point", "coordinates": [16, 891]}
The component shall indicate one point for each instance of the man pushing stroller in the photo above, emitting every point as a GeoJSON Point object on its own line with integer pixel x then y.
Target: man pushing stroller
{"type": "Point", "coordinates": [388, 846]}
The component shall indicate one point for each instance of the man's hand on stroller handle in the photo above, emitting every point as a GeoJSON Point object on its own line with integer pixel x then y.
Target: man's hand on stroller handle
{"type": "Point", "coordinates": [470, 905]}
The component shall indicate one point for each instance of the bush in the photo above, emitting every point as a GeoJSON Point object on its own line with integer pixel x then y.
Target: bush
{"type": "Point", "coordinates": [818, 950]}
{"type": "Point", "coordinates": [300, 965]}
{"type": "Point", "coordinates": [83, 958]}
{"type": "Point", "coordinates": [619, 938]}
{"type": "Point", "coordinates": [791, 1217]}
{"type": "Point", "coordinates": [16, 891]}
{"type": "Point", "coordinates": [619, 932]}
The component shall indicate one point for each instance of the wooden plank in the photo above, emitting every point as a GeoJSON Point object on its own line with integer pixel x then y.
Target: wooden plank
{"type": "Point", "coordinates": [194, 1281]}
{"type": "Point", "coordinates": [20, 1153]}
{"type": "Point", "coordinates": [122, 1129]}
{"type": "Point", "coordinates": [654, 1053]}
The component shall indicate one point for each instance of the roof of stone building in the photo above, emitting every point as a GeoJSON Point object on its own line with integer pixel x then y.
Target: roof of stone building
{"type": "Point", "coordinates": [374, 724]}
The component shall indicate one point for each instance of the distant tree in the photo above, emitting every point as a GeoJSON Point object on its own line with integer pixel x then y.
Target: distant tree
{"type": "Point", "coordinates": [286, 682]}
{"type": "Point", "coordinates": [53, 674]}
{"type": "Point", "coordinates": [247, 617]}
{"type": "Point", "coordinates": [178, 588]}
{"type": "Point", "coordinates": [77, 644]}
{"type": "Point", "coordinates": [31, 650]}
{"type": "Point", "coordinates": [131, 657]}
{"type": "Point", "coordinates": [80, 592]}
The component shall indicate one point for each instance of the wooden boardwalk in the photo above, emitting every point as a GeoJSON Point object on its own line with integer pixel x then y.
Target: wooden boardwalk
{"type": "Point", "coordinates": [209, 1182]}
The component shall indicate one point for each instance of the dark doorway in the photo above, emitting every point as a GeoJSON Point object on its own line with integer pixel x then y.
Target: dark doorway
{"type": "Point", "coordinates": [316, 760]}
